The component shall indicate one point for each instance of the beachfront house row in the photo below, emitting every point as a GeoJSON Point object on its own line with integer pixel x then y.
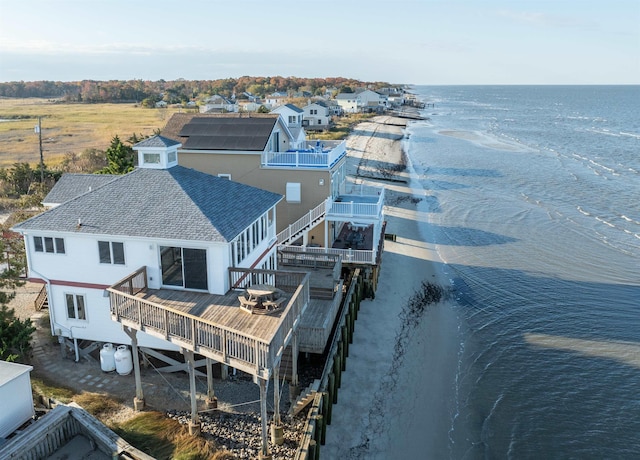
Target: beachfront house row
{"type": "Point", "coordinates": [322, 209]}
{"type": "Point", "coordinates": [317, 116]}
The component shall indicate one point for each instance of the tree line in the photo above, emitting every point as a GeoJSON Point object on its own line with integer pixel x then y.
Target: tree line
{"type": "Point", "coordinates": [175, 91]}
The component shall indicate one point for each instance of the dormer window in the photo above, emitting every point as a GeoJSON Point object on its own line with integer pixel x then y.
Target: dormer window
{"type": "Point", "coordinates": [152, 158]}
{"type": "Point", "coordinates": [157, 152]}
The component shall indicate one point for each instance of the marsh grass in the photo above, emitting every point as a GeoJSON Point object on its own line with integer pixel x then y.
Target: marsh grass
{"type": "Point", "coordinates": [69, 127]}
{"type": "Point", "coordinates": [152, 432]}
{"type": "Point", "coordinates": [165, 438]}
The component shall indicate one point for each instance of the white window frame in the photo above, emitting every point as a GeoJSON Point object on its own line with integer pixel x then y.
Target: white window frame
{"type": "Point", "coordinates": [146, 157]}
{"type": "Point", "coordinates": [225, 176]}
{"type": "Point", "coordinates": [111, 253]}
{"type": "Point", "coordinates": [76, 311]}
{"type": "Point", "coordinates": [57, 245]}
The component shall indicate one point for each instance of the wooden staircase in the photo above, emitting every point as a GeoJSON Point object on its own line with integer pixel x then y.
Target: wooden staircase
{"type": "Point", "coordinates": [305, 398]}
{"type": "Point", "coordinates": [42, 300]}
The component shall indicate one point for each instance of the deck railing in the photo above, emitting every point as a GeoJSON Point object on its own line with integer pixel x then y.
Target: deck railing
{"type": "Point", "coordinates": [350, 206]}
{"type": "Point", "coordinates": [323, 155]}
{"type": "Point", "coordinates": [242, 351]}
{"type": "Point", "coordinates": [356, 256]}
{"type": "Point", "coordinates": [311, 260]}
{"type": "Point", "coordinates": [304, 223]}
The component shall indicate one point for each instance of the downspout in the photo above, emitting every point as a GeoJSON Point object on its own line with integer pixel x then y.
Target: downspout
{"type": "Point", "coordinates": [52, 321]}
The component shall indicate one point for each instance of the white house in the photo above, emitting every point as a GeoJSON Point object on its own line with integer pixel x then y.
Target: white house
{"type": "Point", "coordinates": [276, 99]}
{"type": "Point", "coordinates": [218, 104]}
{"type": "Point", "coordinates": [317, 116]}
{"type": "Point", "coordinates": [348, 102]}
{"type": "Point", "coordinates": [186, 227]}
{"type": "Point", "coordinates": [292, 118]}
{"type": "Point", "coordinates": [16, 397]}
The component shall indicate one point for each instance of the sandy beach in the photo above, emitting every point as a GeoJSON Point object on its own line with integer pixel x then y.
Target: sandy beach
{"type": "Point", "coordinates": [398, 370]}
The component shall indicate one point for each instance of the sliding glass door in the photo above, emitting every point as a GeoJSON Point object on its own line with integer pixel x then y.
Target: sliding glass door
{"type": "Point", "coordinates": [184, 267]}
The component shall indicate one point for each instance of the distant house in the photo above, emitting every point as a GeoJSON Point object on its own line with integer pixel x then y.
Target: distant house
{"type": "Point", "coordinates": [218, 104]}
{"type": "Point", "coordinates": [292, 116]}
{"type": "Point", "coordinates": [369, 100]}
{"type": "Point", "coordinates": [361, 101]}
{"type": "Point", "coordinates": [276, 99]}
{"type": "Point", "coordinates": [317, 116]}
{"type": "Point", "coordinates": [348, 102]}
{"type": "Point", "coordinates": [161, 105]}
{"type": "Point", "coordinates": [248, 106]}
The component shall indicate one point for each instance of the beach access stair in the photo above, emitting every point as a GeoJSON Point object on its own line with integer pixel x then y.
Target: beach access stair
{"type": "Point", "coordinates": [42, 300]}
{"type": "Point", "coordinates": [305, 398]}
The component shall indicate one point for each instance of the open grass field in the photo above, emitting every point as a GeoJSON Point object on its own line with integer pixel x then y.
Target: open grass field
{"type": "Point", "coordinates": [69, 127]}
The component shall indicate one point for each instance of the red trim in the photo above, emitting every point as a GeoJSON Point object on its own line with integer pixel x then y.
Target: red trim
{"type": "Point", "coordinates": [71, 283]}
{"type": "Point", "coordinates": [255, 263]}
{"type": "Point", "coordinates": [267, 251]}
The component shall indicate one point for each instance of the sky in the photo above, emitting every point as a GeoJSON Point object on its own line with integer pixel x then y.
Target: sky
{"type": "Point", "coordinates": [396, 41]}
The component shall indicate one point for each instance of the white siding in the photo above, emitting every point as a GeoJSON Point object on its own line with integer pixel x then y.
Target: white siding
{"type": "Point", "coordinates": [16, 397]}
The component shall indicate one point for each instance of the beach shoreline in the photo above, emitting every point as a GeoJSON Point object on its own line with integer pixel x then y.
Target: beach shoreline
{"type": "Point", "coordinates": [393, 354]}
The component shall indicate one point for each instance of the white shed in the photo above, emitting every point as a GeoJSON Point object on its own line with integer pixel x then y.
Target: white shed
{"type": "Point", "coordinates": [16, 397]}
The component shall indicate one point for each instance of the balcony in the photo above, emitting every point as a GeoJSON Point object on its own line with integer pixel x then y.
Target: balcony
{"type": "Point", "coordinates": [316, 154]}
{"type": "Point", "coordinates": [358, 203]}
{"type": "Point", "coordinates": [214, 325]}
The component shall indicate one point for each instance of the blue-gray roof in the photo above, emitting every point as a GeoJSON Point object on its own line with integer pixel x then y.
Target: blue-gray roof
{"type": "Point", "coordinates": [176, 203]}
{"type": "Point", "coordinates": [156, 141]}
{"type": "Point", "coordinates": [294, 108]}
{"type": "Point", "coordinates": [72, 185]}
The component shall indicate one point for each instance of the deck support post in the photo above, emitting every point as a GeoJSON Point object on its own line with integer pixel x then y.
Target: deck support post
{"type": "Point", "coordinates": [294, 388]}
{"type": "Point", "coordinates": [194, 424]}
{"type": "Point", "coordinates": [138, 401]}
{"type": "Point", "coordinates": [264, 448]}
{"type": "Point", "coordinates": [212, 401]}
{"type": "Point", "coordinates": [277, 430]}
{"type": "Point", "coordinates": [326, 234]}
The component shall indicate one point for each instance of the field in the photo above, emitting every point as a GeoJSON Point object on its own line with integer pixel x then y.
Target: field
{"type": "Point", "coordinates": [69, 127]}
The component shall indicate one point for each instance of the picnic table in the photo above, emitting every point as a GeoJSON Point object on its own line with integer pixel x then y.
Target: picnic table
{"type": "Point", "coordinates": [263, 297]}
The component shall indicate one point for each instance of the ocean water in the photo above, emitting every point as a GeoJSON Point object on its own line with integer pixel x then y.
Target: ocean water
{"type": "Point", "coordinates": [534, 207]}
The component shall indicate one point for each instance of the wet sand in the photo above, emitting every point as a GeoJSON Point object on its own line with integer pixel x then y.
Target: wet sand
{"type": "Point", "coordinates": [394, 390]}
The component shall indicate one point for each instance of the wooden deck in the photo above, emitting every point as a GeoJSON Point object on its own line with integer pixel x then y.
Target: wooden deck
{"type": "Point", "coordinates": [325, 292]}
{"type": "Point", "coordinates": [214, 325]}
{"type": "Point", "coordinates": [221, 310]}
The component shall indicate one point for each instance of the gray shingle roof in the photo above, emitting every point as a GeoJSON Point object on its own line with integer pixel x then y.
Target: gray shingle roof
{"type": "Point", "coordinates": [176, 203]}
{"type": "Point", "coordinates": [72, 185]}
{"type": "Point", "coordinates": [156, 141]}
